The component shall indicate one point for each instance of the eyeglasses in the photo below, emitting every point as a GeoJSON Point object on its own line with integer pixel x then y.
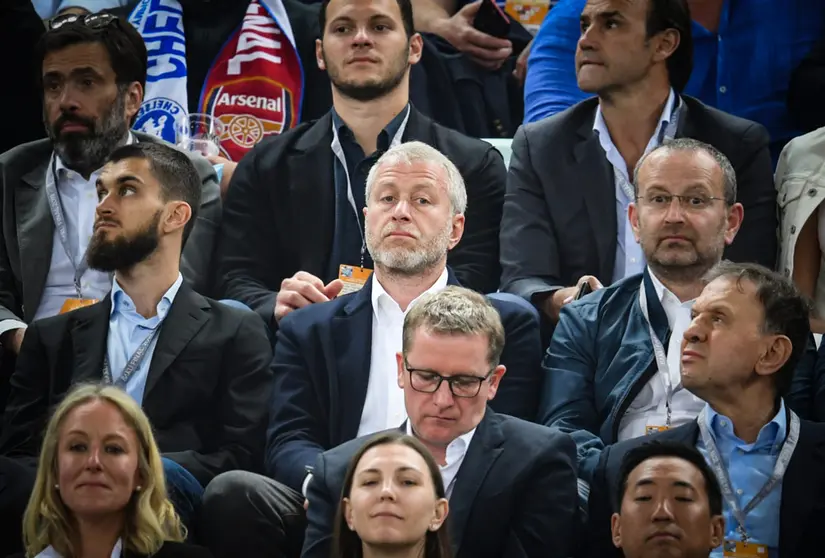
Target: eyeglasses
{"type": "Point", "coordinates": [427, 381]}
{"type": "Point", "coordinates": [694, 202]}
{"type": "Point", "coordinates": [92, 21]}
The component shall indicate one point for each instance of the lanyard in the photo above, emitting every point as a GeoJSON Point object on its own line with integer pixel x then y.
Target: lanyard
{"type": "Point", "coordinates": [339, 153]}
{"type": "Point", "coordinates": [133, 364]}
{"type": "Point", "coordinates": [660, 355]}
{"type": "Point", "coordinates": [56, 209]}
{"type": "Point", "coordinates": [724, 480]}
{"type": "Point", "coordinates": [667, 133]}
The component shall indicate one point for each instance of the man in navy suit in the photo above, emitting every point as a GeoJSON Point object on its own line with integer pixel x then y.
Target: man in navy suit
{"type": "Point", "coordinates": [511, 483]}
{"type": "Point", "coordinates": [334, 369]}
{"type": "Point", "coordinates": [748, 332]}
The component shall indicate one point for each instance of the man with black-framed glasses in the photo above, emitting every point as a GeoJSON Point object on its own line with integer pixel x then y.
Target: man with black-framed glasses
{"type": "Point", "coordinates": [334, 367]}
{"type": "Point", "coordinates": [511, 483]}
{"type": "Point", "coordinates": [612, 367]}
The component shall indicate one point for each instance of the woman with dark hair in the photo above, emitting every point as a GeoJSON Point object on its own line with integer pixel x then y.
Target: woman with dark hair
{"type": "Point", "coordinates": [393, 503]}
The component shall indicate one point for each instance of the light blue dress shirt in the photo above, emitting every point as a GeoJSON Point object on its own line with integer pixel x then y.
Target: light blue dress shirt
{"type": "Point", "coordinates": [630, 259]}
{"type": "Point", "coordinates": [749, 467]}
{"type": "Point", "coordinates": [128, 329]}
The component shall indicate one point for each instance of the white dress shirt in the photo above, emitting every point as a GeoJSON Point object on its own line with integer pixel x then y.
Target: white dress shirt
{"type": "Point", "coordinates": [456, 450]}
{"type": "Point", "coordinates": [79, 199]}
{"type": "Point", "coordinates": [50, 552]}
{"type": "Point", "coordinates": [384, 403]}
{"type": "Point", "coordinates": [629, 259]}
{"type": "Point", "coordinates": [648, 408]}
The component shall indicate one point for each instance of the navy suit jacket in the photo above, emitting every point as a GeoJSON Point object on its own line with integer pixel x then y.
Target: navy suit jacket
{"type": "Point", "coordinates": [321, 369]}
{"type": "Point", "coordinates": [514, 496]}
{"type": "Point", "coordinates": [802, 509]}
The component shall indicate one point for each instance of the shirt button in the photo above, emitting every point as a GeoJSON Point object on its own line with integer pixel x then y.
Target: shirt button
{"type": "Point", "coordinates": [724, 423]}
{"type": "Point", "coordinates": [740, 491]}
{"type": "Point", "coordinates": [723, 89]}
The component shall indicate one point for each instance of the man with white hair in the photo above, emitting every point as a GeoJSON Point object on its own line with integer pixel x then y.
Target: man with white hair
{"type": "Point", "coordinates": [292, 226]}
{"type": "Point", "coordinates": [334, 369]}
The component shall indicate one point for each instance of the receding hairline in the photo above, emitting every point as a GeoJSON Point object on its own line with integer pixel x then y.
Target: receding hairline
{"type": "Point", "coordinates": [665, 153]}
{"type": "Point", "coordinates": [393, 162]}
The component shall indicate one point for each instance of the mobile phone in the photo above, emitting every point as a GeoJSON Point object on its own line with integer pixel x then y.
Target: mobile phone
{"type": "Point", "coordinates": [492, 20]}
{"type": "Point", "coordinates": [585, 289]}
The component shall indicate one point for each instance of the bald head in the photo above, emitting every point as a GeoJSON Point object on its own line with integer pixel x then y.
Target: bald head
{"type": "Point", "coordinates": [699, 161]}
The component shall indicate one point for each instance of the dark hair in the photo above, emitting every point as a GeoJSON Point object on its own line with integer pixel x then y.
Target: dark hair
{"type": "Point", "coordinates": [694, 146]}
{"type": "Point", "coordinates": [405, 6]}
{"type": "Point", "coordinates": [127, 51]}
{"type": "Point", "coordinates": [786, 310]}
{"type": "Point", "coordinates": [347, 543]}
{"type": "Point", "coordinates": [661, 448]}
{"type": "Point", "coordinates": [674, 14]}
{"type": "Point", "coordinates": [176, 174]}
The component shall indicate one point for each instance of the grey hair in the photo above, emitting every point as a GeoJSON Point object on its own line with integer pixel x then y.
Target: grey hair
{"type": "Point", "coordinates": [692, 145]}
{"type": "Point", "coordinates": [416, 151]}
{"type": "Point", "coordinates": [456, 311]}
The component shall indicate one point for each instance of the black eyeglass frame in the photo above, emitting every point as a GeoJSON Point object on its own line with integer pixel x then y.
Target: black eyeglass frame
{"type": "Point", "coordinates": [449, 379]}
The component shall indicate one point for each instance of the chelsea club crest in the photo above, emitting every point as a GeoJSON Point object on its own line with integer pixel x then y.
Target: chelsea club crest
{"type": "Point", "coordinates": [157, 117]}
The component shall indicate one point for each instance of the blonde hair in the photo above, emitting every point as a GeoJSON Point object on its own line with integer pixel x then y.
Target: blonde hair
{"type": "Point", "coordinates": [150, 517]}
{"type": "Point", "coordinates": [415, 152]}
{"type": "Point", "coordinates": [456, 311]}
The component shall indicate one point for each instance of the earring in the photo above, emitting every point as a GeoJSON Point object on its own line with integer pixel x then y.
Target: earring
{"type": "Point", "coordinates": [138, 488]}
{"type": "Point", "coordinates": [56, 486]}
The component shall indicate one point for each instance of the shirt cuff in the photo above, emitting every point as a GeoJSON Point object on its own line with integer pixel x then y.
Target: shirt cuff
{"type": "Point", "coordinates": [8, 325]}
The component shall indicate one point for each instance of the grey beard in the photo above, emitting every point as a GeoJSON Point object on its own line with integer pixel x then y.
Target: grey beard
{"type": "Point", "coordinates": [87, 153]}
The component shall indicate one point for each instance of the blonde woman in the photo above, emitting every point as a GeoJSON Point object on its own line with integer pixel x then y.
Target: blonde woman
{"type": "Point", "coordinates": [100, 490]}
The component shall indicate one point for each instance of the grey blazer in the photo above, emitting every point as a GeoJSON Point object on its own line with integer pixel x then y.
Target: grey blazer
{"type": "Point", "coordinates": [28, 228]}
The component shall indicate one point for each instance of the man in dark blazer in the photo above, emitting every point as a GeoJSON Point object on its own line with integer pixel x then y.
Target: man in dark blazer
{"type": "Point", "coordinates": [199, 368]}
{"type": "Point", "coordinates": [565, 211]}
{"type": "Point", "coordinates": [293, 212]}
{"type": "Point", "coordinates": [749, 329]}
{"type": "Point", "coordinates": [335, 375]}
{"type": "Point", "coordinates": [511, 483]}
{"type": "Point", "coordinates": [85, 126]}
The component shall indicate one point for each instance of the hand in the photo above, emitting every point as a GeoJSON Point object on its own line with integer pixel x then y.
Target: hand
{"type": "Point", "coordinates": [487, 51]}
{"type": "Point", "coordinates": [520, 73]}
{"type": "Point", "coordinates": [817, 325]}
{"type": "Point", "coordinates": [228, 171]}
{"type": "Point", "coordinates": [13, 339]}
{"type": "Point", "coordinates": [303, 289]}
{"type": "Point", "coordinates": [553, 304]}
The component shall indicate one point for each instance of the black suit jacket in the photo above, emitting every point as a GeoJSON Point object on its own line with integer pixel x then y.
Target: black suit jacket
{"type": "Point", "coordinates": [206, 392]}
{"type": "Point", "coordinates": [560, 208]}
{"type": "Point", "coordinates": [28, 228]}
{"type": "Point", "coordinates": [279, 215]}
{"type": "Point", "coordinates": [806, 88]}
{"type": "Point", "coordinates": [803, 491]}
{"type": "Point", "coordinates": [321, 370]}
{"type": "Point", "coordinates": [168, 550]}
{"type": "Point", "coordinates": [514, 495]}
